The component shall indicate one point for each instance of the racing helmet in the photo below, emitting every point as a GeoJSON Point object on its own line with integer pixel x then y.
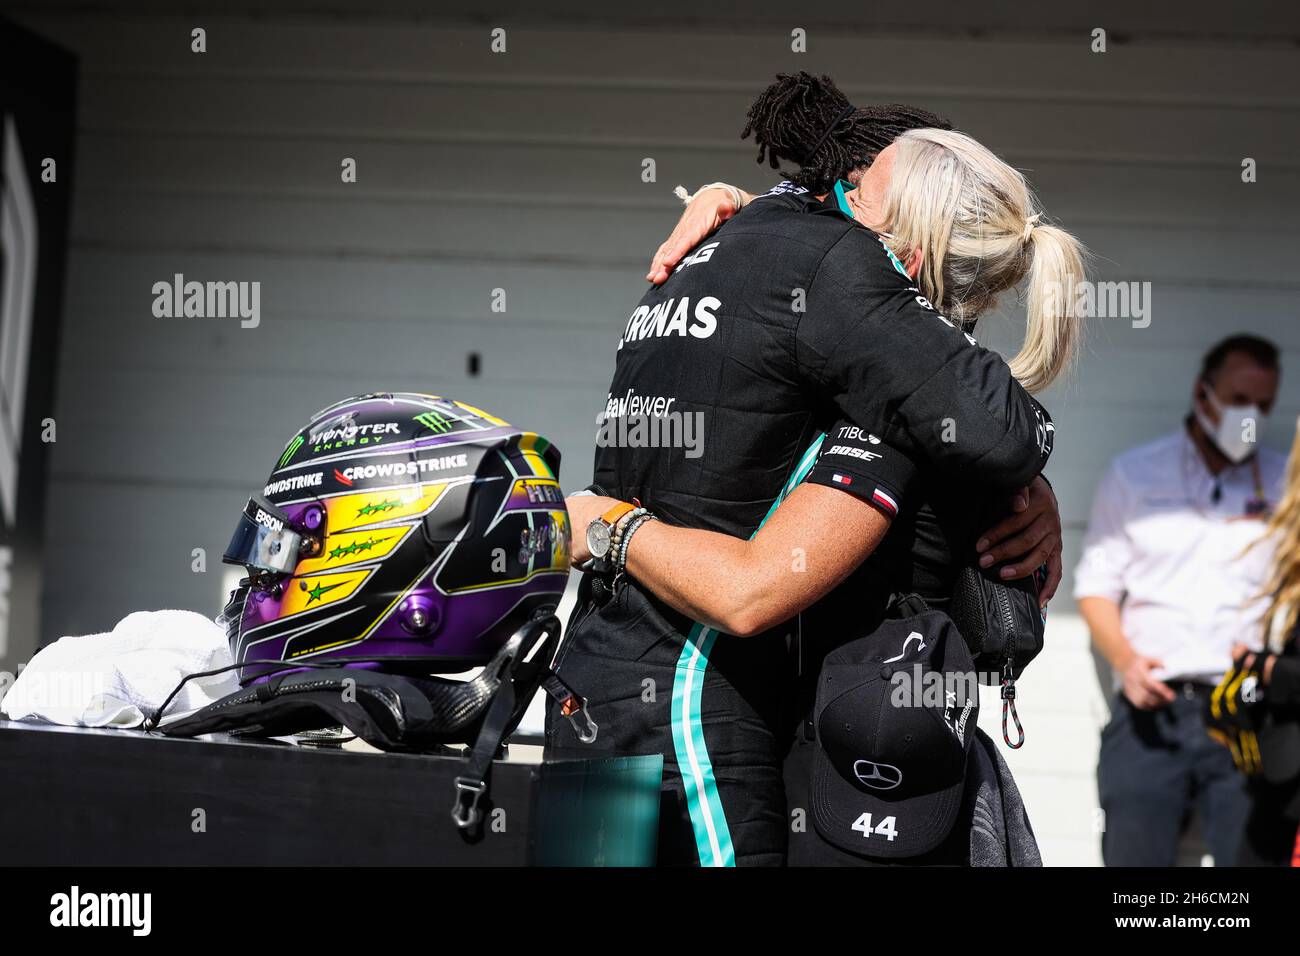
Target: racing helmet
{"type": "Point", "coordinates": [399, 532]}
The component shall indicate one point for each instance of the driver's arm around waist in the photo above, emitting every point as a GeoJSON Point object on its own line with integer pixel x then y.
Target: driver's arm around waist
{"type": "Point", "coordinates": [744, 587]}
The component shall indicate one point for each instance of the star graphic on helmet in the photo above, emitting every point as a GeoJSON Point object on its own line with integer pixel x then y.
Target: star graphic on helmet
{"type": "Point", "coordinates": [344, 550]}
{"type": "Point", "coordinates": [315, 593]}
{"type": "Point", "coordinates": [371, 507]}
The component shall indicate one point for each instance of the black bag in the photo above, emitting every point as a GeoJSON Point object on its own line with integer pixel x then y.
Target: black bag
{"type": "Point", "coordinates": [1000, 621]}
{"type": "Point", "coordinates": [1002, 625]}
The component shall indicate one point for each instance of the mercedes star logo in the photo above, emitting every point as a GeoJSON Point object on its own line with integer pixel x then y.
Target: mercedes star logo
{"type": "Point", "coordinates": [878, 776]}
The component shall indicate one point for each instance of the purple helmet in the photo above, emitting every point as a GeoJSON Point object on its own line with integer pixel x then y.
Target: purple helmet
{"type": "Point", "coordinates": [408, 528]}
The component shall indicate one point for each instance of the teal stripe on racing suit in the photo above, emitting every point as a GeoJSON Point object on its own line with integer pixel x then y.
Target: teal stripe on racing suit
{"type": "Point", "coordinates": [712, 837]}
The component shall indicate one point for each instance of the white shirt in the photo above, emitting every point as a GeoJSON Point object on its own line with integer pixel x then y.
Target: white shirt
{"type": "Point", "coordinates": [1176, 560]}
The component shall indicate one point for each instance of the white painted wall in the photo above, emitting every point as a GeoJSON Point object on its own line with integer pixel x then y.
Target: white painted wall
{"type": "Point", "coordinates": [522, 172]}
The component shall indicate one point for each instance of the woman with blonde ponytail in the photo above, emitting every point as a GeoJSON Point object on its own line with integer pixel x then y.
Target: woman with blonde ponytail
{"type": "Point", "coordinates": [974, 227]}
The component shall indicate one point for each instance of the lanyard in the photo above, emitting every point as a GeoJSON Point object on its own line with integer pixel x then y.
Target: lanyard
{"type": "Point", "coordinates": [1256, 507]}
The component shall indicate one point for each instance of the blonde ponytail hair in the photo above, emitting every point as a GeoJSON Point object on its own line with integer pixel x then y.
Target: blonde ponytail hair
{"type": "Point", "coordinates": [978, 227]}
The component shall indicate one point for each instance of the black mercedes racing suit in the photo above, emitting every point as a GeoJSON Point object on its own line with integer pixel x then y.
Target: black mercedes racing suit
{"type": "Point", "coordinates": [788, 319]}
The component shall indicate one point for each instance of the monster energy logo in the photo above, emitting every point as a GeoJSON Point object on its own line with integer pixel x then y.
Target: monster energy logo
{"type": "Point", "coordinates": [315, 593]}
{"type": "Point", "coordinates": [356, 547]}
{"type": "Point", "coordinates": [434, 422]}
{"type": "Point", "coordinates": [370, 507]}
{"type": "Point", "coordinates": [290, 450]}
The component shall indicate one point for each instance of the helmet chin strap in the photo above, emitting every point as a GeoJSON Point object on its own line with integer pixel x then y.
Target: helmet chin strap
{"type": "Point", "coordinates": [523, 666]}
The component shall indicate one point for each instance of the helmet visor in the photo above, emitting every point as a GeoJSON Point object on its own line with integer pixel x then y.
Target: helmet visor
{"type": "Point", "coordinates": [264, 539]}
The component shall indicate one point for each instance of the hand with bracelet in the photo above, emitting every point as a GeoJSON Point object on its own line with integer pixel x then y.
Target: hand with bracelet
{"type": "Point", "coordinates": [684, 566]}
{"type": "Point", "coordinates": [706, 210]}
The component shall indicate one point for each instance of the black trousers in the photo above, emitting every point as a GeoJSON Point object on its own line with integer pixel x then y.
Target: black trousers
{"type": "Point", "coordinates": [708, 702]}
{"type": "Point", "coordinates": [1155, 765]}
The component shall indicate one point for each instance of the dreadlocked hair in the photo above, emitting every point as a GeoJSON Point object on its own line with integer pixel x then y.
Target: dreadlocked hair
{"type": "Point", "coordinates": [805, 119]}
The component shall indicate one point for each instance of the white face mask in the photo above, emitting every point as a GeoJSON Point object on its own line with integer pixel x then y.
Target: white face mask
{"type": "Point", "coordinates": [1238, 428]}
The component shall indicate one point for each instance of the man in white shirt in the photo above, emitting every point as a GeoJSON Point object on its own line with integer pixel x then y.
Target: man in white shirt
{"type": "Point", "coordinates": [1167, 585]}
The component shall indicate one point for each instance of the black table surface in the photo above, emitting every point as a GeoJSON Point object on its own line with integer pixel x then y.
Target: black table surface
{"type": "Point", "coordinates": [86, 796]}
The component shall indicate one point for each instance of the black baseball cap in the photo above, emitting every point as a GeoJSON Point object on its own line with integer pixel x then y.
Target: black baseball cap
{"type": "Point", "coordinates": [895, 716]}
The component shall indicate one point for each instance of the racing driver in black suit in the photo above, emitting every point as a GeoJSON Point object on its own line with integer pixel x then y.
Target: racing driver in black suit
{"type": "Point", "coordinates": [792, 320]}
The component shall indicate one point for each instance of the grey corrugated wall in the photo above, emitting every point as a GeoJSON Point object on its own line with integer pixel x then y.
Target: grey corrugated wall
{"type": "Point", "coordinates": [522, 171]}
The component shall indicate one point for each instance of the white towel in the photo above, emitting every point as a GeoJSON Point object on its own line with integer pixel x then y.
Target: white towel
{"type": "Point", "coordinates": [115, 679]}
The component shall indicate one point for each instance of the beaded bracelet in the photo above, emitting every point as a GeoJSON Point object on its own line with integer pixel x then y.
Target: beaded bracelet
{"type": "Point", "coordinates": [620, 560]}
